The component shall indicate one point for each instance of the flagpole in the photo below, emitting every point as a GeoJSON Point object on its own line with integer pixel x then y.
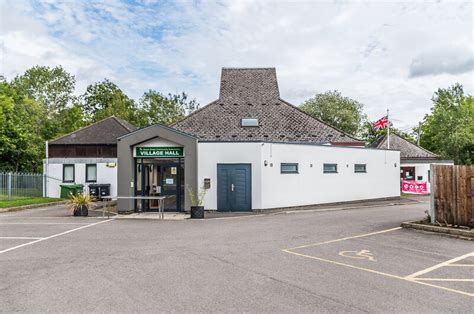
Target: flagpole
{"type": "Point", "coordinates": [388, 131]}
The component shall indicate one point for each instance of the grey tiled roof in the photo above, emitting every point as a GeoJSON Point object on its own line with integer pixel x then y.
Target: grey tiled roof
{"type": "Point", "coordinates": [104, 131]}
{"type": "Point", "coordinates": [407, 149]}
{"type": "Point", "coordinates": [253, 93]}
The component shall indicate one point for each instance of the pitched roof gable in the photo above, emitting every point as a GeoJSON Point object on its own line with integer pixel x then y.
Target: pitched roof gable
{"type": "Point", "coordinates": [254, 93]}
{"type": "Point", "coordinates": [105, 131]}
{"type": "Point", "coordinates": [407, 149]}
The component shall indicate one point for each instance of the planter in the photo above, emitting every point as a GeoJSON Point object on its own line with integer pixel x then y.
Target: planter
{"type": "Point", "coordinates": [197, 212]}
{"type": "Point", "coordinates": [82, 210]}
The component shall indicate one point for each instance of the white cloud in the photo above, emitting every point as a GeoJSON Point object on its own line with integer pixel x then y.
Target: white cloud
{"type": "Point", "coordinates": [374, 52]}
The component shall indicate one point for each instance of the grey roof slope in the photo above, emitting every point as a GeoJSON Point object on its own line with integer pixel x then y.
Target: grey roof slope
{"type": "Point", "coordinates": [254, 93]}
{"type": "Point", "coordinates": [104, 131]}
{"type": "Point", "coordinates": [407, 149]}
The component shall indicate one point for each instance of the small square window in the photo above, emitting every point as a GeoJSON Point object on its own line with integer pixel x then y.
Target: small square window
{"type": "Point", "coordinates": [419, 178]}
{"type": "Point", "coordinates": [91, 173]}
{"type": "Point", "coordinates": [360, 168]}
{"type": "Point", "coordinates": [330, 168]}
{"type": "Point", "coordinates": [68, 173]}
{"type": "Point", "coordinates": [288, 168]}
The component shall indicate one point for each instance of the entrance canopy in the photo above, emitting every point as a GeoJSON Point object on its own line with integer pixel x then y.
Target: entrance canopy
{"type": "Point", "coordinates": [154, 160]}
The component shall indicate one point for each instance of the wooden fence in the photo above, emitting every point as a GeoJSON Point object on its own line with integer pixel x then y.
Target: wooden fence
{"type": "Point", "coordinates": [452, 194]}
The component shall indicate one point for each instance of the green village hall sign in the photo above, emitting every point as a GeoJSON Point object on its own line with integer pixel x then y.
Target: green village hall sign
{"type": "Point", "coordinates": [152, 152]}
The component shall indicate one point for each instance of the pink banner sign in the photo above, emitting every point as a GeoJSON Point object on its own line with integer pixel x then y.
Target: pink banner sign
{"type": "Point", "coordinates": [413, 187]}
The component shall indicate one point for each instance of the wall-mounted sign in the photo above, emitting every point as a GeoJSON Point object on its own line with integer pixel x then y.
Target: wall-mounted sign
{"type": "Point", "coordinates": [414, 187]}
{"type": "Point", "coordinates": [153, 152]}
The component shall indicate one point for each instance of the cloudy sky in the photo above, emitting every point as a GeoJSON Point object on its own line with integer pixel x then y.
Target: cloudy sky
{"type": "Point", "coordinates": [384, 54]}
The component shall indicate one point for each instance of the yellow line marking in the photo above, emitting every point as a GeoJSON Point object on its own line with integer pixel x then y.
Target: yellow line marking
{"type": "Point", "coordinates": [363, 254]}
{"type": "Point", "coordinates": [379, 273]}
{"type": "Point", "coordinates": [432, 268]}
{"type": "Point", "coordinates": [343, 239]}
{"type": "Point", "coordinates": [444, 279]}
{"type": "Point", "coordinates": [342, 264]}
{"type": "Point", "coordinates": [408, 278]}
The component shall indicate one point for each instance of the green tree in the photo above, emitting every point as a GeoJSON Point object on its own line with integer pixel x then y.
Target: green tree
{"type": "Point", "coordinates": [341, 112]}
{"type": "Point", "coordinates": [157, 108]}
{"type": "Point", "coordinates": [21, 144]}
{"type": "Point", "coordinates": [71, 119]}
{"type": "Point", "coordinates": [104, 99]}
{"type": "Point", "coordinates": [52, 87]}
{"type": "Point", "coordinates": [369, 135]}
{"type": "Point", "coordinates": [449, 129]}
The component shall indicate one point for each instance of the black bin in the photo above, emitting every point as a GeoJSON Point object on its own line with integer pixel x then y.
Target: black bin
{"type": "Point", "coordinates": [104, 190]}
{"type": "Point", "coordinates": [99, 191]}
{"type": "Point", "coordinates": [94, 190]}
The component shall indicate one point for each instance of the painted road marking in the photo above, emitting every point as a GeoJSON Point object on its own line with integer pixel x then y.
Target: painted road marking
{"type": "Point", "coordinates": [408, 278]}
{"type": "Point", "coordinates": [344, 239]}
{"type": "Point", "coordinates": [430, 269]}
{"type": "Point", "coordinates": [362, 254]}
{"type": "Point", "coordinates": [44, 223]}
{"type": "Point", "coordinates": [20, 238]}
{"type": "Point", "coordinates": [54, 236]}
{"type": "Point", "coordinates": [444, 279]}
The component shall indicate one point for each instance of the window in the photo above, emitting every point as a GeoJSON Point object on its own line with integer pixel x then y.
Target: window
{"type": "Point", "coordinates": [360, 168]}
{"type": "Point", "coordinates": [419, 178]}
{"type": "Point", "coordinates": [249, 122]}
{"type": "Point", "coordinates": [429, 175]}
{"type": "Point", "coordinates": [68, 173]}
{"type": "Point", "coordinates": [330, 168]}
{"type": "Point", "coordinates": [91, 173]}
{"type": "Point", "coordinates": [288, 168]}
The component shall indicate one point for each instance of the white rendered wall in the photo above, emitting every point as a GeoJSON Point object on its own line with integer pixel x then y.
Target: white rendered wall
{"type": "Point", "coordinates": [211, 154]}
{"type": "Point", "coordinates": [105, 175]}
{"type": "Point", "coordinates": [271, 189]}
{"type": "Point", "coordinates": [312, 186]}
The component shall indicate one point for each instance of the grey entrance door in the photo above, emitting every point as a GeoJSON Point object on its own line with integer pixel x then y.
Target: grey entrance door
{"type": "Point", "coordinates": [234, 187]}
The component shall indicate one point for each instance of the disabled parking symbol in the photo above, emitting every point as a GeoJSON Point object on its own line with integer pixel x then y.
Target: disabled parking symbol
{"type": "Point", "coordinates": [362, 254]}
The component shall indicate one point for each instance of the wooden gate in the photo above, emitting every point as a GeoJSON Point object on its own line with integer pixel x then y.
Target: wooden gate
{"type": "Point", "coordinates": [452, 193]}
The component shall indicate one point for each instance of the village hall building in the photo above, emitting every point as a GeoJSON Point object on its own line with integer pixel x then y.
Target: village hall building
{"type": "Point", "coordinates": [87, 156]}
{"type": "Point", "coordinates": [250, 150]}
{"type": "Point", "coordinates": [415, 161]}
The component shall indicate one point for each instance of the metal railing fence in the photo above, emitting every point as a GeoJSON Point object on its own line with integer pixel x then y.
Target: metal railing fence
{"type": "Point", "coordinates": [16, 185]}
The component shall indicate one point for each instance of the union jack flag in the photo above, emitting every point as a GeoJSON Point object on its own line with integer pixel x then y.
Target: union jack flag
{"type": "Point", "coordinates": [381, 124]}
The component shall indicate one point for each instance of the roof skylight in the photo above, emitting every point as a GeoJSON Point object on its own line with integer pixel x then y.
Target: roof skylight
{"type": "Point", "coordinates": [249, 122]}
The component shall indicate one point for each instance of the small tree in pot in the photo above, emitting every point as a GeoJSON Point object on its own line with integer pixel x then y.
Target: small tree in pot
{"type": "Point", "coordinates": [80, 204]}
{"type": "Point", "coordinates": [197, 210]}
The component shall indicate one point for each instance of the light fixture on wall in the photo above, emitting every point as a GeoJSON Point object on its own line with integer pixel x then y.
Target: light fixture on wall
{"type": "Point", "coordinates": [265, 163]}
{"type": "Point", "coordinates": [395, 165]}
{"type": "Point", "coordinates": [311, 165]}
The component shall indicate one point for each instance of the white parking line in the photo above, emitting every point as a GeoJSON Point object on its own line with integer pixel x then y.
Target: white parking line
{"type": "Point", "coordinates": [44, 223]}
{"type": "Point", "coordinates": [53, 236]}
{"type": "Point", "coordinates": [20, 238]}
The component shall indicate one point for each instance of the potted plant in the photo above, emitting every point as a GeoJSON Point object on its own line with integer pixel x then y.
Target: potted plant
{"type": "Point", "coordinates": [80, 204]}
{"type": "Point", "coordinates": [197, 210]}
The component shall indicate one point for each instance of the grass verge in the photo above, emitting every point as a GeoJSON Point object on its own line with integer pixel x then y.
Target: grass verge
{"type": "Point", "coordinates": [27, 201]}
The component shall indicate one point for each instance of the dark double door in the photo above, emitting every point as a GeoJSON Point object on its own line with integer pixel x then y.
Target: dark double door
{"type": "Point", "coordinates": [161, 179]}
{"type": "Point", "coordinates": [234, 192]}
